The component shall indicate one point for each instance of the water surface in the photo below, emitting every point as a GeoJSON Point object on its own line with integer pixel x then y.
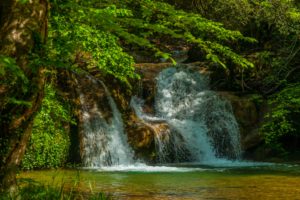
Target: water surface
{"type": "Point", "coordinates": [183, 181]}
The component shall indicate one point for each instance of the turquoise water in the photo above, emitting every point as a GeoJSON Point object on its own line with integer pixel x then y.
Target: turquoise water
{"type": "Point", "coordinates": [183, 181]}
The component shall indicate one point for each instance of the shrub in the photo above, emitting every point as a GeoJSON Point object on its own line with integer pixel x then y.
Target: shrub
{"type": "Point", "coordinates": [49, 143]}
{"type": "Point", "coordinates": [283, 120]}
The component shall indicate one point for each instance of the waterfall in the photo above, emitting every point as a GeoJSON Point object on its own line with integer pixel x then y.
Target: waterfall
{"type": "Point", "coordinates": [104, 142]}
{"type": "Point", "coordinates": [189, 123]}
{"type": "Point", "coordinates": [168, 142]}
{"type": "Point", "coordinates": [204, 121]}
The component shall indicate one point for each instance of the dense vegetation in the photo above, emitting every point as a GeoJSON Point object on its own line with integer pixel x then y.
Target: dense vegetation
{"type": "Point", "coordinates": [32, 190]}
{"type": "Point", "coordinates": [275, 75]}
{"type": "Point", "coordinates": [49, 144]}
{"type": "Point", "coordinates": [281, 128]}
{"type": "Point", "coordinates": [253, 43]}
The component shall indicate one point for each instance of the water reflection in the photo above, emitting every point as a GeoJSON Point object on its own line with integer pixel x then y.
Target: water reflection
{"type": "Point", "coordinates": [258, 182]}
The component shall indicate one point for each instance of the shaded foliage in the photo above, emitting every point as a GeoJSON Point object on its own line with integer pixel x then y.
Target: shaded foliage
{"type": "Point", "coordinates": [49, 143]}
{"type": "Point", "coordinates": [276, 58]}
{"type": "Point", "coordinates": [282, 122]}
{"type": "Point", "coordinates": [94, 28]}
{"type": "Point", "coordinates": [276, 27]}
{"type": "Point", "coordinates": [32, 190]}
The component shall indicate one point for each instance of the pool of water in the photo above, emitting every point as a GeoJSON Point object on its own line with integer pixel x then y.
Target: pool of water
{"type": "Point", "coordinates": [184, 181]}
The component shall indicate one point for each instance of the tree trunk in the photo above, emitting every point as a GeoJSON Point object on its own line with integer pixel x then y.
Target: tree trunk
{"type": "Point", "coordinates": [19, 24]}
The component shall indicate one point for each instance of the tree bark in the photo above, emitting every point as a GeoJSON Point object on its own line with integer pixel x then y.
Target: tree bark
{"type": "Point", "coordinates": [19, 23]}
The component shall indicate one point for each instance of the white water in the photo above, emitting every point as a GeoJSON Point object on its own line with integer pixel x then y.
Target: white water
{"type": "Point", "coordinates": [220, 165]}
{"type": "Point", "coordinates": [147, 168]}
{"type": "Point", "coordinates": [104, 142]}
{"type": "Point", "coordinates": [200, 123]}
{"type": "Point", "coordinates": [204, 121]}
{"type": "Point", "coordinates": [166, 140]}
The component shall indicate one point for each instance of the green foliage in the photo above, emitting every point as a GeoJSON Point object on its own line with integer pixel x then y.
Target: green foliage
{"type": "Point", "coordinates": [274, 24]}
{"type": "Point", "coordinates": [9, 66]}
{"type": "Point", "coordinates": [49, 143]}
{"type": "Point", "coordinates": [79, 38]}
{"type": "Point", "coordinates": [91, 47]}
{"type": "Point", "coordinates": [283, 119]}
{"type": "Point", "coordinates": [22, 1]}
{"type": "Point", "coordinates": [11, 74]}
{"type": "Point", "coordinates": [31, 190]}
{"type": "Point", "coordinates": [232, 13]}
{"type": "Point", "coordinates": [160, 19]}
{"type": "Point", "coordinates": [283, 14]}
{"type": "Point", "coordinates": [256, 99]}
{"type": "Point", "coordinates": [98, 29]}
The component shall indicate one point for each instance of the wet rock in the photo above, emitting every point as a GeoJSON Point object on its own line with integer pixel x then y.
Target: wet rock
{"type": "Point", "coordinates": [249, 117]}
{"type": "Point", "coordinates": [85, 93]}
{"type": "Point", "coordinates": [144, 137]}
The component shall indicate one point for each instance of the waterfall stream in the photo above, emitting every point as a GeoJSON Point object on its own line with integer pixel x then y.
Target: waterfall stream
{"type": "Point", "coordinates": [104, 142]}
{"type": "Point", "coordinates": [190, 123]}
{"type": "Point", "coordinates": [204, 121]}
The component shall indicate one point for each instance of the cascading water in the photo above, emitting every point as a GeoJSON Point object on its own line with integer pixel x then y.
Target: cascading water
{"type": "Point", "coordinates": [104, 142]}
{"type": "Point", "coordinates": [204, 121]}
{"type": "Point", "coordinates": [167, 141]}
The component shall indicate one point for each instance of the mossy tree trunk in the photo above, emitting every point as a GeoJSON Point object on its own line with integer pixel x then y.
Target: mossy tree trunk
{"type": "Point", "coordinates": [20, 23]}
